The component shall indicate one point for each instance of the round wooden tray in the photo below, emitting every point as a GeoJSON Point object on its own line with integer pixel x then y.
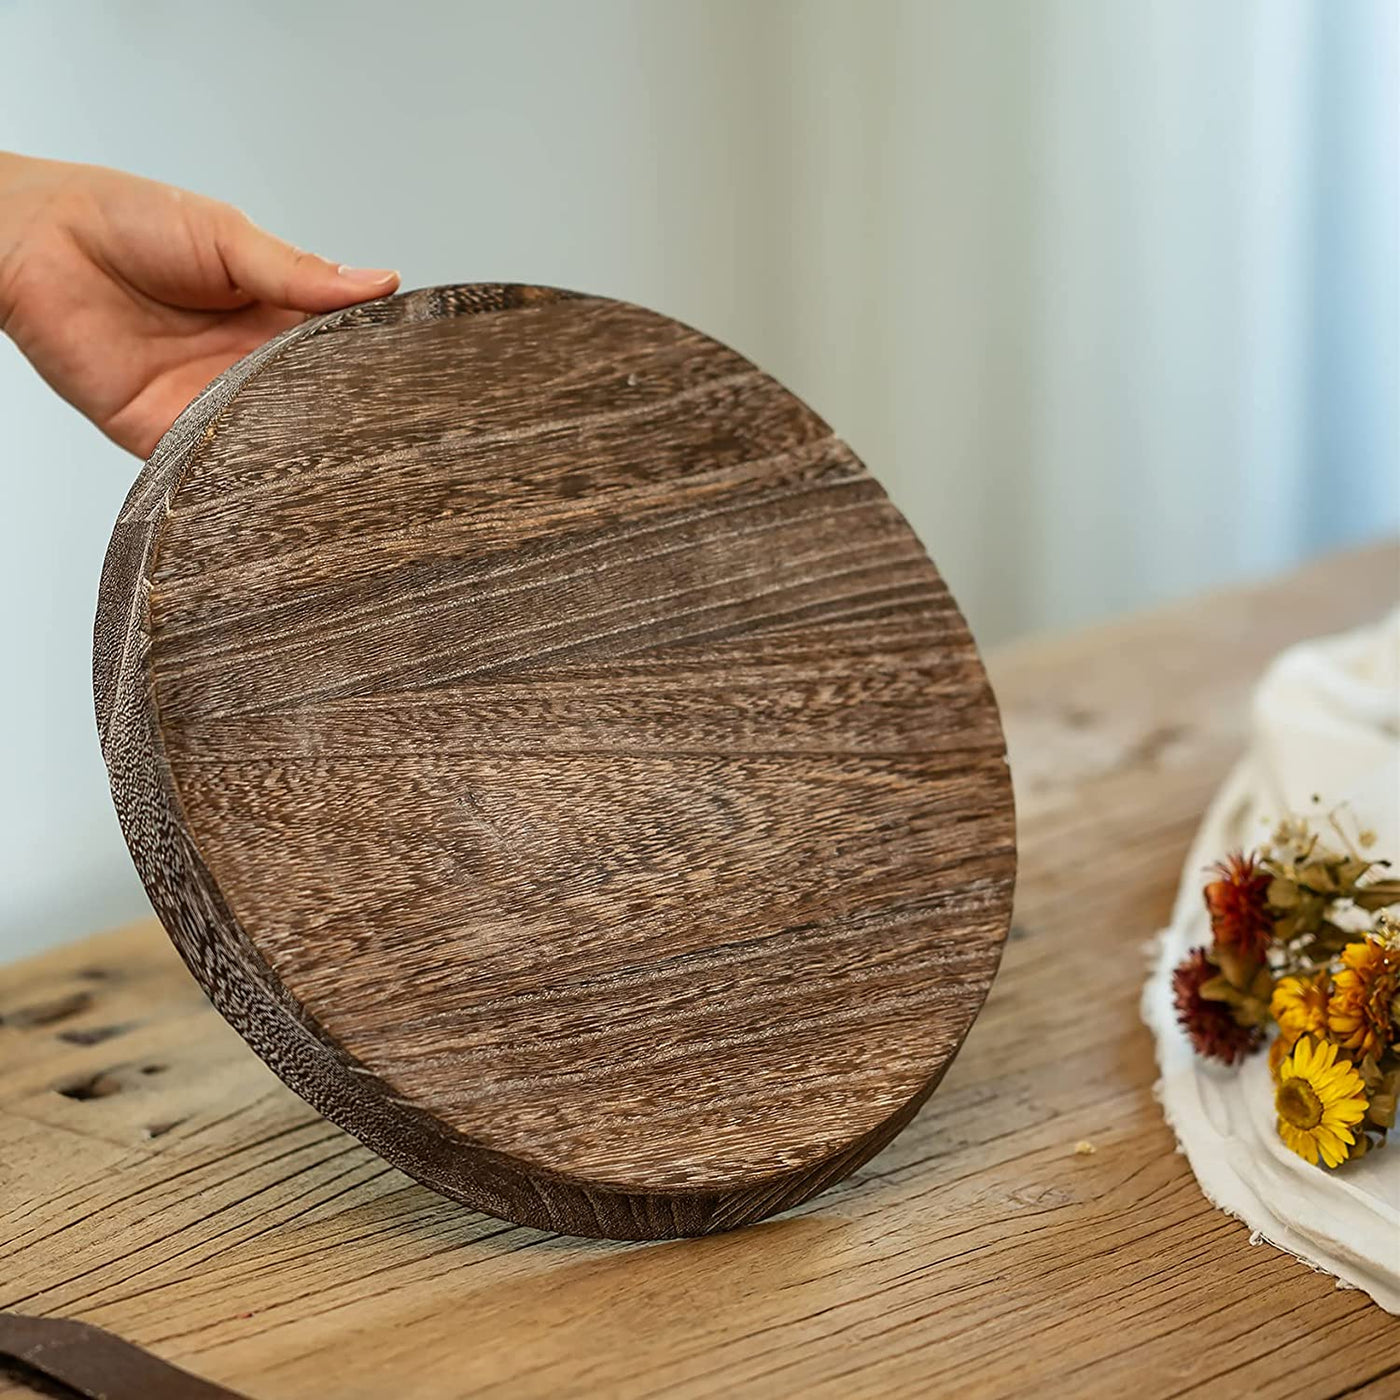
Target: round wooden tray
{"type": "Point", "coordinates": [552, 752]}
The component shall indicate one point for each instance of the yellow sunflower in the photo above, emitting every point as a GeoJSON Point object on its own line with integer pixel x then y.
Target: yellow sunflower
{"type": "Point", "coordinates": [1319, 1099]}
{"type": "Point", "coordinates": [1360, 1012]}
{"type": "Point", "coordinates": [1299, 1005]}
{"type": "Point", "coordinates": [1279, 1051]}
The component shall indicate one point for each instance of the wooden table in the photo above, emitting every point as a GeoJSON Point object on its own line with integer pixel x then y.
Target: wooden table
{"type": "Point", "coordinates": [157, 1180]}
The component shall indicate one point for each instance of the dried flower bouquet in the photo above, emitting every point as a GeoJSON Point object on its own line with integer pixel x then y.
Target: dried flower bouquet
{"type": "Point", "coordinates": [1303, 945]}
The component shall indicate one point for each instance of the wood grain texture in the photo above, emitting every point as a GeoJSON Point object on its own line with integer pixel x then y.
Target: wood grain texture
{"type": "Point", "coordinates": [552, 752]}
{"type": "Point", "coordinates": [157, 1180]}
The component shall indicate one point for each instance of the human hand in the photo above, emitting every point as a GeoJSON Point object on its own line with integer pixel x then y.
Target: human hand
{"type": "Point", "coordinates": [129, 296]}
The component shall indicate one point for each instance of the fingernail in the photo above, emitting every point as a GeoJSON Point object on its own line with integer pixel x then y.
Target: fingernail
{"type": "Point", "coordinates": [367, 276]}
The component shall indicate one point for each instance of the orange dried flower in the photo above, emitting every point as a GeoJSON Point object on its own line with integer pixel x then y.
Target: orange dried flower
{"type": "Point", "coordinates": [1299, 1005]}
{"type": "Point", "coordinates": [1238, 904]}
{"type": "Point", "coordinates": [1361, 1010]}
{"type": "Point", "coordinates": [1211, 1025]}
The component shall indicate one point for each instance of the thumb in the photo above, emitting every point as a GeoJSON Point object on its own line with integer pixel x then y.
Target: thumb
{"type": "Point", "coordinates": [267, 269]}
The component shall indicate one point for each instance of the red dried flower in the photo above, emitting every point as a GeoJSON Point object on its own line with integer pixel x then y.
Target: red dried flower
{"type": "Point", "coordinates": [1238, 903]}
{"type": "Point", "coordinates": [1212, 1027]}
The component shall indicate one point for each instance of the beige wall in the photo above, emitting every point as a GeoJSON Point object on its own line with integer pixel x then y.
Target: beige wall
{"type": "Point", "coordinates": [1105, 292]}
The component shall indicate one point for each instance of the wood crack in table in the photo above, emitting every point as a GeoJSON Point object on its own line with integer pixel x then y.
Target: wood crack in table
{"type": "Point", "coordinates": [157, 1180]}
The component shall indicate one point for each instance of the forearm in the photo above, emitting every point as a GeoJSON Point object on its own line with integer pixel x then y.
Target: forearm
{"type": "Point", "coordinates": [30, 192]}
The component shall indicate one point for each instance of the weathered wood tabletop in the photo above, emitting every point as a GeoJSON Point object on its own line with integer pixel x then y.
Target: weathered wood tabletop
{"type": "Point", "coordinates": [157, 1180]}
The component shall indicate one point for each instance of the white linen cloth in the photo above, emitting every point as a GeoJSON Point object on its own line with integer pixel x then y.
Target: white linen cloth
{"type": "Point", "coordinates": [1326, 720]}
